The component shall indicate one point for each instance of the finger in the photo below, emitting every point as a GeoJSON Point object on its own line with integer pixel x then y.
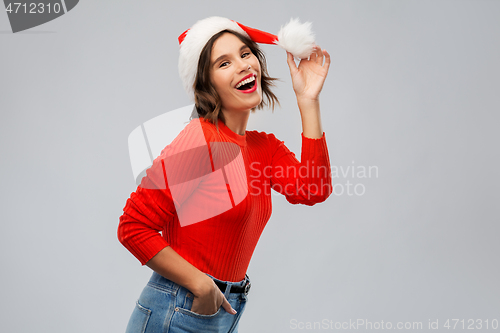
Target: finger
{"type": "Point", "coordinates": [319, 55]}
{"type": "Point", "coordinates": [314, 54]}
{"type": "Point", "coordinates": [327, 60]}
{"type": "Point", "coordinates": [228, 307]}
{"type": "Point", "coordinates": [291, 63]}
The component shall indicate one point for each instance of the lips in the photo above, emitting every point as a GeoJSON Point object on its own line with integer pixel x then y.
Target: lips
{"type": "Point", "coordinates": [246, 77]}
{"type": "Point", "coordinates": [248, 84]}
{"type": "Point", "coordinates": [250, 90]}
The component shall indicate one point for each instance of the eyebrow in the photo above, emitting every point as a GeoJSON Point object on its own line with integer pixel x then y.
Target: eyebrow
{"type": "Point", "coordinates": [244, 46]}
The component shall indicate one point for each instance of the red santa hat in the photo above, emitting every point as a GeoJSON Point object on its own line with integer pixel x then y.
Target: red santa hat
{"type": "Point", "coordinates": [295, 37]}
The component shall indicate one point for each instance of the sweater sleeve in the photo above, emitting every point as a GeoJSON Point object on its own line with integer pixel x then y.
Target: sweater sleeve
{"type": "Point", "coordinates": [172, 178]}
{"type": "Point", "coordinates": [306, 182]}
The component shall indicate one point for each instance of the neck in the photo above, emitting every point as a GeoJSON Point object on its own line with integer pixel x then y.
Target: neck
{"type": "Point", "coordinates": [236, 121]}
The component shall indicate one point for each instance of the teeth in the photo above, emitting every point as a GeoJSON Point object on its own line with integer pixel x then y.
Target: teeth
{"type": "Point", "coordinates": [251, 79]}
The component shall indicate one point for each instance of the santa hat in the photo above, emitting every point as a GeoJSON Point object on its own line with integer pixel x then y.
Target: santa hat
{"type": "Point", "coordinates": [295, 37]}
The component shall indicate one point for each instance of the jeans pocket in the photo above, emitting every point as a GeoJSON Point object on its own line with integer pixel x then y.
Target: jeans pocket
{"type": "Point", "coordinates": [188, 304]}
{"type": "Point", "coordinates": [139, 319]}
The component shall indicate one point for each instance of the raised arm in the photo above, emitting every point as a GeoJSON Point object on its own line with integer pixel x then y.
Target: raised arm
{"type": "Point", "coordinates": [309, 181]}
{"type": "Point", "coordinates": [308, 79]}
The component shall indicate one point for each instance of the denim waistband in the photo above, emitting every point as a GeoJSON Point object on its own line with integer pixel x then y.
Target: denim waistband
{"type": "Point", "coordinates": [174, 287]}
{"type": "Point", "coordinates": [237, 283]}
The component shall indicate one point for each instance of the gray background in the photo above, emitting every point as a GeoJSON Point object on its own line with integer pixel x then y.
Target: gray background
{"type": "Point", "coordinates": [413, 89]}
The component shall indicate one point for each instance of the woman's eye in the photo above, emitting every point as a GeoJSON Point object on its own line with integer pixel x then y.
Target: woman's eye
{"type": "Point", "coordinates": [244, 55]}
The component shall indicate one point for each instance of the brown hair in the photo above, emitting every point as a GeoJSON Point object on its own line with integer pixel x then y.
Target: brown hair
{"type": "Point", "coordinates": [207, 101]}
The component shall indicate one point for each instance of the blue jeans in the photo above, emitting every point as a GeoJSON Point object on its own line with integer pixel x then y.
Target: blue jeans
{"type": "Point", "coordinates": [165, 307]}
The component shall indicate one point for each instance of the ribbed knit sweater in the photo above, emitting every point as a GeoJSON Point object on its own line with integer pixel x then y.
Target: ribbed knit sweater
{"type": "Point", "coordinates": [209, 193]}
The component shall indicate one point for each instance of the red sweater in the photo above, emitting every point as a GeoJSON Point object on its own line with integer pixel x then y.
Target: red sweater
{"type": "Point", "coordinates": [209, 193]}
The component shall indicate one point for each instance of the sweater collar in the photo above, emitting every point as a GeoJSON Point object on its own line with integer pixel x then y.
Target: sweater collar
{"type": "Point", "coordinates": [240, 140]}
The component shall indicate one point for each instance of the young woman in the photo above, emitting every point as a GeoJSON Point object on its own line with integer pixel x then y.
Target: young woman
{"type": "Point", "coordinates": [209, 190]}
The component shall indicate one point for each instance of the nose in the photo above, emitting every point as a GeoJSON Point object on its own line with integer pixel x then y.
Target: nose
{"type": "Point", "coordinates": [244, 66]}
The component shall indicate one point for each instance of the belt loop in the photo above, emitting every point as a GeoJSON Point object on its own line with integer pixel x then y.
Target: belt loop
{"type": "Point", "coordinates": [228, 289]}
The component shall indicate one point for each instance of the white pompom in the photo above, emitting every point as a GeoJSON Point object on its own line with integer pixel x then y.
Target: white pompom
{"type": "Point", "coordinates": [297, 38]}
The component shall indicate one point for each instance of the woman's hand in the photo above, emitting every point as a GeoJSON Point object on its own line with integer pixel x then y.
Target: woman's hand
{"type": "Point", "coordinates": [309, 76]}
{"type": "Point", "coordinates": [209, 301]}
{"type": "Point", "coordinates": [207, 296]}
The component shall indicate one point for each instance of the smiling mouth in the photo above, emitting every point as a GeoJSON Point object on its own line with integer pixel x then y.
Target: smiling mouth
{"type": "Point", "coordinates": [247, 84]}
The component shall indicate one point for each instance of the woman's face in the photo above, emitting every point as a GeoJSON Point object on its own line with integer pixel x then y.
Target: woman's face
{"type": "Point", "coordinates": [231, 63]}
